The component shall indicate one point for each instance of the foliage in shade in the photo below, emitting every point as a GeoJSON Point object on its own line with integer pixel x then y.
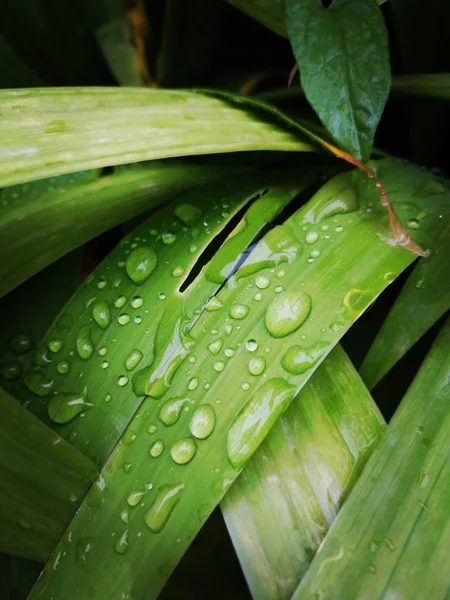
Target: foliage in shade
{"type": "Point", "coordinates": [27, 313]}
{"type": "Point", "coordinates": [391, 537]}
{"type": "Point", "coordinates": [343, 58]}
{"type": "Point", "coordinates": [43, 479]}
{"type": "Point", "coordinates": [96, 203]}
{"type": "Point", "coordinates": [430, 85]}
{"type": "Point", "coordinates": [159, 486]}
{"type": "Point", "coordinates": [101, 127]}
{"type": "Point", "coordinates": [281, 506]}
{"type": "Point", "coordinates": [422, 301]}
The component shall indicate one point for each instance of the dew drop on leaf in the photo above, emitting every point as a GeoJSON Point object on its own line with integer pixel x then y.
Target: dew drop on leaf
{"type": "Point", "coordinates": [167, 498]}
{"type": "Point", "coordinates": [140, 264]}
{"type": "Point", "coordinates": [287, 312]}
{"type": "Point", "coordinates": [183, 451]}
{"type": "Point", "coordinates": [203, 422]}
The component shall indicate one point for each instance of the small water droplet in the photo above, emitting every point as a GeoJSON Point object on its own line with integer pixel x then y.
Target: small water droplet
{"type": "Point", "coordinates": [228, 329]}
{"type": "Point", "coordinates": [63, 406]}
{"type": "Point", "coordinates": [178, 271]}
{"type": "Point", "coordinates": [389, 543]}
{"type": "Point", "coordinates": [108, 398]}
{"type": "Point", "coordinates": [229, 352]}
{"type": "Point", "coordinates": [116, 283]}
{"type": "Point", "coordinates": [101, 284]}
{"type": "Point", "coordinates": [214, 304]}
{"type": "Point", "coordinates": [258, 296]}
{"type": "Point", "coordinates": [105, 364]}
{"type": "Point", "coordinates": [311, 237]}
{"type": "Point", "coordinates": [257, 365]}
{"type": "Point", "coordinates": [120, 301]}
{"type": "Point", "coordinates": [127, 467]}
{"type": "Point", "coordinates": [103, 350]}
{"type": "Point", "coordinates": [251, 345]}
{"type": "Point", "coordinates": [193, 249]}
{"type": "Point", "coordinates": [135, 497]}
{"type": "Point", "coordinates": [215, 346]}
{"type": "Point", "coordinates": [140, 264]}
{"type": "Point", "coordinates": [85, 345]}
{"type": "Point", "coordinates": [161, 296]}
{"type": "Point", "coordinates": [167, 498]}
{"type": "Point", "coordinates": [41, 356]}
{"type": "Point", "coordinates": [55, 346]}
{"type": "Point", "coordinates": [157, 449]}
{"type": "Point", "coordinates": [133, 360]}
{"type": "Point", "coordinates": [239, 311]}
{"type": "Point", "coordinates": [193, 384]}
{"type": "Point", "coordinates": [124, 318]}
{"type": "Point", "coordinates": [152, 428]}
{"type": "Point", "coordinates": [101, 313]}
{"type": "Point", "coordinates": [203, 422]}
{"type": "Point", "coordinates": [183, 451]}
{"type": "Point", "coordinates": [168, 238]}
{"type": "Point", "coordinates": [125, 516]}
{"type": "Point", "coordinates": [122, 544]}
{"type": "Point", "coordinates": [339, 228]}
{"type": "Point", "coordinates": [38, 384]}
{"type": "Point", "coordinates": [262, 282]}
{"type": "Point", "coordinates": [63, 367]}
{"type": "Point", "coordinates": [122, 380]}
{"type": "Point", "coordinates": [245, 386]}
{"type": "Point", "coordinates": [315, 253]}
{"type": "Point", "coordinates": [219, 366]}
{"type": "Point", "coordinates": [170, 411]}
{"type": "Point", "coordinates": [278, 289]}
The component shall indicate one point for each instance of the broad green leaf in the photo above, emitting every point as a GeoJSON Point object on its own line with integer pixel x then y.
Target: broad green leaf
{"type": "Point", "coordinates": [429, 85]}
{"type": "Point", "coordinates": [95, 205]}
{"type": "Point", "coordinates": [203, 417]}
{"type": "Point", "coordinates": [123, 318]}
{"type": "Point", "coordinates": [27, 312]}
{"type": "Point", "coordinates": [343, 58]}
{"type": "Point", "coordinates": [422, 301]}
{"type": "Point", "coordinates": [391, 537]}
{"type": "Point", "coordinates": [99, 127]}
{"type": "Point", "coordinates": [282, 505]}
{"type": "Point", "coordinates": [42, 480]}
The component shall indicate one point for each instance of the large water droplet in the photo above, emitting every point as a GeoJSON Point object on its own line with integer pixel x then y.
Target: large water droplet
{"type": "Point", "coordinates": [11, 370]}
{"type": "Point", "coordinates": [122, 543]}
{"type": "Point", "coordinates": [287, 312]}
{"type": "Point", "coordinates": [257, 365]}
{"type": "Point", "coordinates": [254, 422]}
{"type": "Point", "coordinates": [215, 346]}
{"type": "Point", "coordinates": [38, 384]}
{"type": "Point", "coordinates": [298, 360]}
{"type": "Point", "coordinates": [219, 366]}
{"type": "Point", "coordinates": [170, 411]}
{"type": "Point", "coordinates": [136, 302]}
{"type": "Point", "coordinates": [20, 343]}
{"type": "Point", "coordinates": [157, 449]}
{"type": "Point", "coordinates": [311, 237]}
{"type": "Point", "coordinates": [239, 311]}
{"type": "Point", "coordinates": [133, 360]}
{"type": "Point", "coordinates": [124, 318]}
{"type": "Point", "coordinates": [140, 264]}
{"type": "Point", "coordinates": [101, 313]}
{"type": "Point", "coordinates": [203, 422]}
{"type": "Point", "coordinates": [63, 406]}
{"type": "Point", "coordinates": [85, 346]}
{"type": "Point", "coordinates": [262, 282]}
{"type": "Point", "coordinates": [183, 451]}
{"type": "Point", "coordinates": [167, 498]}
{"type": "Point", "coordinates": [251, 345]}
{"type": "Point", "coordinates": [135, 497]}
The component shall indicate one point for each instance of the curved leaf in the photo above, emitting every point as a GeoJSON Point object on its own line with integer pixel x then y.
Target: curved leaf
{"type": "Point", "coordinates": [342, 54]}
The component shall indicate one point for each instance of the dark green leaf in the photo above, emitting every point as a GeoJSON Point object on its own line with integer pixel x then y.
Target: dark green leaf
{"type": "Point", "coordinates": [342, 54]}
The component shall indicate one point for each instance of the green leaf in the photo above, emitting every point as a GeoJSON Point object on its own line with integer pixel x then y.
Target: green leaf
{"type": "Point", "coordinates": [108, 126]}
{"type": "Point", "coordinates": [28, 311]}
{"type": "Point", "coordinates": [122, 319]}
{"type": "Point", "coordinates": [43, 478]}
{"type": "Point", "coordinates": [281, 506]}
{"type": "Point", "coordinates": [391, 537]}
{"type": "Point", "coordinates": [429, 85]}
{"type": "Point", "coordinates": [95, 205]}
{"type": "Point", "coordinates": [343, 58]}
{"type": "Point", "coordinates": [422, 301]}
{"type": "Point", "coordinates": [329, 261]}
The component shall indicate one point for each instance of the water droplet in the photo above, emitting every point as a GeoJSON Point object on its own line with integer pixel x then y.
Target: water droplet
{"type": "Point", "coordinates": [55, 346]}
{"type": "Point", "coordinates": [228, 329]}
{"type": "Point", "coordinates": [122, 544]}
{"type": "Point", "coordinates": [183, 451]}
{"type": "Point", "coordinates": [127, 467]}
{"type": "Point", "coordinates": [103, 350]}
{"type": "Point", "coordinates": [135, 497]}
{"type": "Point", "coordinates": [214, 304]}
{"type": "Point", "coordinates": [258, 296]}
{"type": "Point", "coordinates": [116, 283]}
{"type": "Point", "coordinates": [356, 301]}
{"type": "Point", "coordinates": [157, 449]}
{"type": "Point", "coordinates": [278, 289]}
{"type": "Point", "coordinates": [188, 213]}
{"type": "Point", "coordinates": [311, 237]}
{"type": "Point", "coordinates": [168, 238]}
{"type": "Point", "coordinates": [257, 365]}
{"type": "Point", "coordinates": [108, 398]}
{"type": "Point", "coordinates": [298, 360]}
{"type": "Point", "coordinates": [152, 428]}
{"type": "Point", "coordinates": [239, 311]}
{"type": "Point", "coordinates": [193, 384]}
{"type": "Point", "coordinates": [105, 364]}
{"type": "Point", "coordinates": [229, 352]}
{"type": "Point", "coordinates": [38, 384]}
{"type": "Point", "coordinates": [63, 407]}
{"type": "Point", "coordinates": [253, 423]}
{"type": "Point", "coordinates": [41, 356]}
{"type": "Point", "coordinates": [287, 312]}
{"type": "Point", "coordinates": [124, 318]}
{"type": "Point", "coordinates": [245, 386]}
{"type": "Point", "coordinates": [120, 302]}
{"type": "Point", "coordinates": [20, 343]}
{"type": "Point", "coordinates": [193, 249]}
{"type": "Point", "coordinates": [336, 196]}
{"type": "Point", "coordinates": [11, 370]}
{"type": "Point", "coordinates": [101, 313]}
{"type": "Point", "coordinates": [215, 346]}
{"type": "Point", "coordinates": [251, 345]}
{"type": "Point", "coordinates": [82, 549]}
{"type": "Point", "coordinates": [281, 273]}
{"type": "Point", "coordinates": [170, 411]}
{"type": "Point", "coordinates": [161, 296]}
{"type": "Point", "coordinates": [125, 516]}
{"type": "Point", "coordinates": [167, 498]}
{"type": "Point", "coordinates": [140, 264]}
{"type": "Point", "coordinates": [101, 283]}
{"type": "Point", "coordinates": [315, 253]}
{"type": "Point", "coordinates": [203, 422]}
{"type": "Point", "coordinates": [413, 224]}
{"type": "Point", "coordinates": [339, 228]}
{"type": "Point", "coordinates": [178, 271]}
{"type": "Point", "coordinates": [122, 380]}
{"type": "Point", "coordinates": [262, 282]}
{"type": "Point", "coordinates": [85, 346]}
{"type": "Point", "coordinates": [389, 543]}
{"type": "Point", "coordinates": [136, 302]}
{"type": "Point", "coordinates": [63, 367]}
{"type": "Point", "coordinates": [133, 360]}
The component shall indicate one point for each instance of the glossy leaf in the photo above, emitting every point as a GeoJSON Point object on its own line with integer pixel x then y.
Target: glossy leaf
{"type": "Point", "coordinates": [145, 515]}
{"type": "Point", "coordinates": [283, 503]}
{"type": "Point", "coordinates": [95, 205]}
{"type": "Point", "coordinates": [422, 301]}
{"type": "Point", "coordinates": [42, 480]}
{"type": "Point", "coordinates": [392, 535]}
{"type": "Point", "coordinates": [101, 127]}
{"type": "Point", "coordinates": [342, 54]}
